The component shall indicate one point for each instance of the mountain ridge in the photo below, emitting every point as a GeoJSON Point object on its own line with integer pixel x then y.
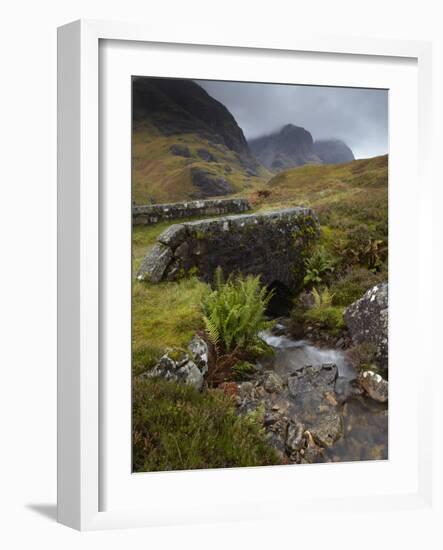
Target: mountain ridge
{"type": "Point", "coordinates": [293, 146]}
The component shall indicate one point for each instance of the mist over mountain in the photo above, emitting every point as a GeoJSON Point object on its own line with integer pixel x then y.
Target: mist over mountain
{"type": "Point", "coordinates": [294, 146]}
{"type": "Point", "coordinates": [333, 151]}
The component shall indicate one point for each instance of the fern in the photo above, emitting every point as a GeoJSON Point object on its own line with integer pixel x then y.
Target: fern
{"type": "Point", "coordinates": [212, 331]}
{"type": "Point", "coordinates": [322, 299]}
{"type": "Point", "coordinates": [235, 311]}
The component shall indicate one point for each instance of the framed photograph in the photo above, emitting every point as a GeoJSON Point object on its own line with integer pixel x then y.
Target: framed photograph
{"type": "Point", "coordinates": [231, 217]}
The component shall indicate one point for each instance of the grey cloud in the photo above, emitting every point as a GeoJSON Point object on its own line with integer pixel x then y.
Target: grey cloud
{"type": "Point", "coordinates": [358, 116]}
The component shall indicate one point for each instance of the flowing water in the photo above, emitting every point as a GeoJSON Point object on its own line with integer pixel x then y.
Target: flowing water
{"type": "Point", "coordinates": [365, 421]}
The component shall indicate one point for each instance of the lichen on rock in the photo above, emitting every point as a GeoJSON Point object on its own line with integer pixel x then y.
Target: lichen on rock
{"type": "Point", "coordinates": [367, 321]}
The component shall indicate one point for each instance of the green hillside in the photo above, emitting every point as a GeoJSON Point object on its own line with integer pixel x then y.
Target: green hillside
{"type": "Point", "coordinates": [186, 145]}
{"type": "Point", "coordinates": [357, 190]}
{"type": "Point", "coordinates": [162, 176]}
{"type": "Point", "coordinates": [351, 202]}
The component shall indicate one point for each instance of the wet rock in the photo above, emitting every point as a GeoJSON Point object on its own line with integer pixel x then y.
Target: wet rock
{"type": "Point", "coordinates": [367, 321]}
{"type": "Point", "coordinates": [276, 440]}
{"type": "Point", "coordinates": [155, 263]}
{"type": "Point", "coordinates": [346, 389]}
{"type": "Point", "coordinates": [270, 418]}
{"type": "Point", "coordinates": [273, 383]}
{"type": "Point", "coordinates": [374, 385]}
{"type": "Point", "coordinates": [311, 452]}
{"type": "Point", "coordinates": [294, 437]}
{"type": "Point", "coordinates": [281, 328]}
{"type": "Point", "coordinates": [318, 379]}
{"type": "Point", "coordinates": [328, 428]}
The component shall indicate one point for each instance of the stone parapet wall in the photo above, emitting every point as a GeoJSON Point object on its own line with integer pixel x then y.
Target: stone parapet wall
{"type": "Point", "coordinates": [273, 245]}
{"type": "Point", "coordinates": [154, 213]}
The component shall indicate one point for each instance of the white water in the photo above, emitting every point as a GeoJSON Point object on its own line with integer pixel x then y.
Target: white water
{"type": "Point", "coordinates": [292, 354]}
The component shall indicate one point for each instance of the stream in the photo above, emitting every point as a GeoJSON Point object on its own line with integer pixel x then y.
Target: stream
{"type": "Point", "coordinates": [365, 421]}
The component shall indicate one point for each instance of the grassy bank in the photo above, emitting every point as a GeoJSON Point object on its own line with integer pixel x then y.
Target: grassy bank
{"type": "Point", "coordinates": [176, 427]}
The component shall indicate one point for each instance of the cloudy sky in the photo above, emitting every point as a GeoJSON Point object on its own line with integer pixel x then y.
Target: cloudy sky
{"type": "Point", "coordinates": [357, 116]}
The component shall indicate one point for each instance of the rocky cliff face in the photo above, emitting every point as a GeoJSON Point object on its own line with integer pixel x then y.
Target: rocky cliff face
{"type": "Point", "coordinates": [294, 146]}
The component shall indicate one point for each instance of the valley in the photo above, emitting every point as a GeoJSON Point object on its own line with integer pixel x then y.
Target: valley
{"type": "Point", "coordinates": [236, 361]}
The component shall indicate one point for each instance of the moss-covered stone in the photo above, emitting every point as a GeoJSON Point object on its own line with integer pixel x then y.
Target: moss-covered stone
{"type": "Point", "coordinates": [272, 245]}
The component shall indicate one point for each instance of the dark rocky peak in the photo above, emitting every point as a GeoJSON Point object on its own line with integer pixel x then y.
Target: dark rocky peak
{"type": "Point", "coordinates": [294, 139]}
{"type": "Point", "coordinates": [333, 151]}
{"type": "Point", "coordinates": [178, 106]}
{"type": "Point", "coordinates": [294, 146]}
{"type": "Point", "coordinates": [291, 146]}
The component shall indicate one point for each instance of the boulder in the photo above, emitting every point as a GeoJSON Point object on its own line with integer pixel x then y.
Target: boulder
{"type": "Point", "coordinates": [179, 366]}
{"type": "Point", "coordinates": [294, 436]}
{"type": "Point", "coordinates": [327, 429]}
{"type": "Point", "coordinates": [198, 349]}
{"type": "Point", "coordinates": [209, 184]}
{"type": "Point", "coordinates": [205, 155]}
{"type": "Point", "coordinates": [155, 263]}
{"type": "Point", "coordinates": [273, 383]}
{"type": "Point", "coordinates": [367, 321]}
{"type": "Point", "coordinates": [312, 379]}
{"type": "Point", "coordinates": [374, 385]}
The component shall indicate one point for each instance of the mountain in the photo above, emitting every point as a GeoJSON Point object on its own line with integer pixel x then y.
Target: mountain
{"type": "Point", "coordinates": [186, 144]}
{"type": "Point", "coordinates": [294, 146]}
{"type": "Point", "coordinates": [333, 151]}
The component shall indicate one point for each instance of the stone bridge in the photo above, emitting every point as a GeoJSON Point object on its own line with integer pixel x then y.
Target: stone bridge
{"type": "Point", "coordinates": [272, 244]}
{"type": "Point", "coordinates": [153, 213]}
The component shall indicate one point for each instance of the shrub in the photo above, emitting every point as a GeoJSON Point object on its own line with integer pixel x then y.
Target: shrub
{"type": "Point", "coordinates": [315, 308]}
{"type": "Point", "coordinates": [145, 358]}
{"type": "Point", "coordinates": [353, 285]}
{"type": "Point", "coordinates": [322, 298]}
{"type": "Point", "coordinates": [328, 318]}
{"type": "Point", "coordinates": [363, 355]}
{"type": "Point", "coordinates": [234, 312]}
{"type": "Point", "coordinates": [243, 370]}
{"type": "Point", "coordinates": [175, 427]}
{"type": "Point", "coordinates": [318, 267]}
{"type": "Point", "coordinates": [362, 247]}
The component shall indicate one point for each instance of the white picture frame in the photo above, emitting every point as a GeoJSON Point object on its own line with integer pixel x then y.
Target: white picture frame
{"type": "Point", "coordinates": [81, 413]}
